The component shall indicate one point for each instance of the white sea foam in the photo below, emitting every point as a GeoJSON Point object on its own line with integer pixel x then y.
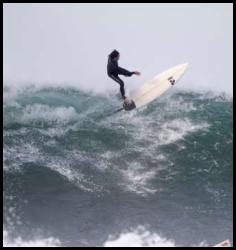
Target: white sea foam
{"type": "Point", "coordinates": [55, 132]}
{"type": "Point", "coordinates": [73, 174]}
{"type": "Point", "coordinates": [176, 129]}
{"type": "Point", "coordinates": [10, 94]}
{"type": "Point", "coordinates": [20, 154]}
{"type": "Point", "coordinates": [35, 242]}
{"type": "Point", "coordinates": [155, 129]}
{"type": "Point", "coordinates": [138, 237]}
{"type": "Point", "coordinates": [44, 113]}
{"type": "Point", "coordinates": [12, 91]}
{"type": "Point", "coordinates": [105, 159]}
{"type": "Point", "coordinates": [219, 96]}
{"type": "Point", "coordinates": [142, 237]}
{"type": "Point", "coordinates": [148, 134]}
{"type": "Point", "coordinates": [175, 104]}
{"type": "Point", "coordinates": [136, 178]}
{"type": "Point", "coordinates": [157, 132]}
{"type": "Point", "coordinates": [27, 153]}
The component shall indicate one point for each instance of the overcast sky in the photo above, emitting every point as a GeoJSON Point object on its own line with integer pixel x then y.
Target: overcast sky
{"type": "Point", "coordinates": [70, 42]}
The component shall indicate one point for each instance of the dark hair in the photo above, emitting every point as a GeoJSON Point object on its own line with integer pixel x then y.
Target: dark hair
{"type": "Point", "coordinates": [114, 54]}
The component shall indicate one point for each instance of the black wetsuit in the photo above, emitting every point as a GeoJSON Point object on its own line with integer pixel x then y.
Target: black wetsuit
{"type": "Point", "coordinates": [113, 70]}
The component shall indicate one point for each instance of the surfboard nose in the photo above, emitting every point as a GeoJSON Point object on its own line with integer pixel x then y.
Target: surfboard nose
{"type": "Point", "coordinates": [185, 64]}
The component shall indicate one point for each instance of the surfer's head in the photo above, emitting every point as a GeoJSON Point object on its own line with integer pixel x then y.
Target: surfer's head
{"type": "Point", "coordinates": [114, 55]}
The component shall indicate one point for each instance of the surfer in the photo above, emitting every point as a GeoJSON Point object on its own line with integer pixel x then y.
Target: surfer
{"type": "Point", "coordinates": [113, 70]}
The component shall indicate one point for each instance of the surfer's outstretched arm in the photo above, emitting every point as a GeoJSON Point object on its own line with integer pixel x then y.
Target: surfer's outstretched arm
{"type": "Point", "coordinates": [125, 72]}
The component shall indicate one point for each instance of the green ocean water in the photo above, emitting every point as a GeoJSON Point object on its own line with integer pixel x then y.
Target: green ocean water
{"type": "Point", "coordinates": [74, 173]}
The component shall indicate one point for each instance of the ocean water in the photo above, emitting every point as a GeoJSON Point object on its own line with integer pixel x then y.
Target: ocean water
{"type": "Point", "coordinates": [75, 176]}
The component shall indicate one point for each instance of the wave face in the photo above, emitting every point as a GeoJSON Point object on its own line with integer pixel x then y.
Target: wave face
{"type": "Point", "coordinates": [74, 176]}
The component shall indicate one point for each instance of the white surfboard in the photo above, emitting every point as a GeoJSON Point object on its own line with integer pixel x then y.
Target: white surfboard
{"type": "Point", "coordinates": [225, 243]}
{"type": "Point", "coordinates": [158, 85]}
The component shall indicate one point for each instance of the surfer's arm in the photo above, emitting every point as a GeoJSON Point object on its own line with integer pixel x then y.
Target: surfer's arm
{"type": "Point", "coordinates": [125, 72]}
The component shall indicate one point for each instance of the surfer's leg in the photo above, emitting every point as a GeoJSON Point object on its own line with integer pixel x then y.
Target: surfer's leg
{"type": "Point", "coordinates": [122, 89]}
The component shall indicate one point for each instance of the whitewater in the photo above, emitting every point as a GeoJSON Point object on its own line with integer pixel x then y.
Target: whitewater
{"type": "Point", "coordinates": [160, 175]}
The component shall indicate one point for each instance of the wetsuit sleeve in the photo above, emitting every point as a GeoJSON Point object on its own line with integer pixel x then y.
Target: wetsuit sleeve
{"type": "Point", "coordinates": [124, 72]}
